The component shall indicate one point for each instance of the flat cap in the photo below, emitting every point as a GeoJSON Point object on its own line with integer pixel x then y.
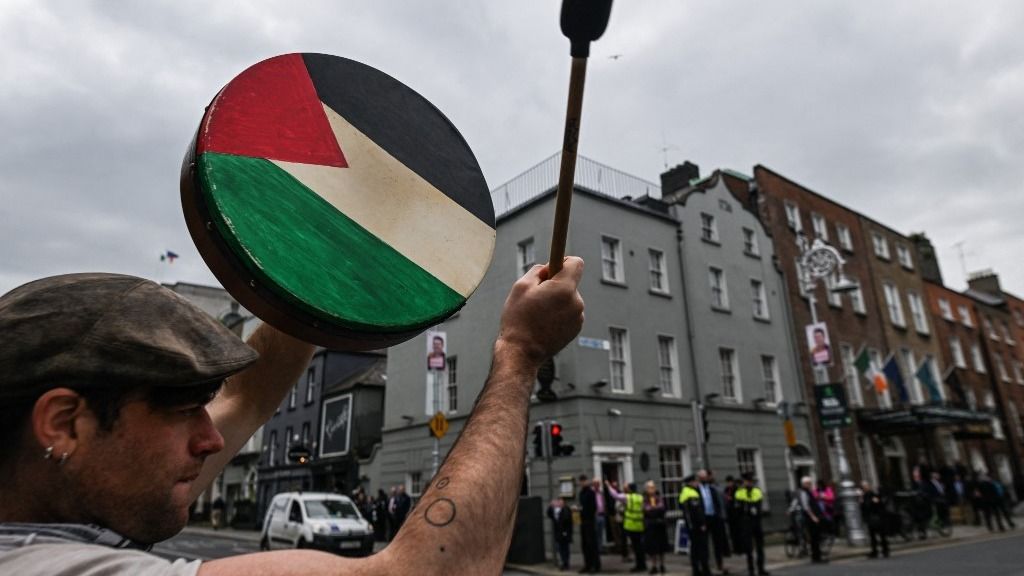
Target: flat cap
{"type": "Point", "coordinates": [99, 330]}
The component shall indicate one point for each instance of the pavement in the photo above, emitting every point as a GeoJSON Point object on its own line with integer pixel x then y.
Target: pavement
{"type": "Point", "coordinates": [775, 556]}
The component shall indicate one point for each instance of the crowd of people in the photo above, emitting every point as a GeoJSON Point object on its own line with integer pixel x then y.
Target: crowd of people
{"type": "Point", "coordinates": [386, 511]}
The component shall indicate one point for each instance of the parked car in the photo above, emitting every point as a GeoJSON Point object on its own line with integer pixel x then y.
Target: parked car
{"type": "Point", "coordinates": [318, 520]}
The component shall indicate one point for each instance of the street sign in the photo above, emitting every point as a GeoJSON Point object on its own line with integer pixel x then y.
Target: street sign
{"type": "Point", "coordinates": [438, 425]}
{"type": "Point", "coordinates": [595, 343]}
{"type": "Point", "coordinates": [831, 402]}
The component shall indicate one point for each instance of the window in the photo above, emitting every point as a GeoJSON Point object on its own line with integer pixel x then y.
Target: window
{"type": "Point", "coordinates": [1018, 375]}
{"type": "Point", "coordinates": [770, 376]}
{"type": "Point", "coordinates": [750, 246]}
{"type": "Point", "coordinates": [972, 400]}
{"type": "Point", "coordinates": [749, 460]}
{"type": "Point", "coordinates": [414, 483]}
{"type": "Point", "coordinates": [708, 228]}
{"type": "Point", "coordinates": [1007, 335]}
{"type": "Point", "coordinates": [893, 303]}
{"type": "Point", "coordinates": [989, 328]}
{"type": "Point", "coordinates": [903, 255]}
{"type": "Point", "coordinates": [884, 398]}
{"type": "Point", "coordinates": [730, 374]}
{"type": "Point", "coordinates": [1014, 418]}
{"type": "Point", "coordinates": [965, 316]}
{"type": "Point", "coordinates": [916, 395]}
{"type": "Point", "coordinates": [957, 351]}
{"type": "Point", "coordinates": [272, 458]}
{"type": "Point", "coordinates": [881, 245]}
{"type": "Point", "coordinates": [310, 385]}
{"type": "Point", "coordinates": [288, 439]}
{"type": "Point", "coordinates": [1001, 369]}
{"type": "Point", "coordinates": [1018, 317]}
{"type": "Point", "coordinates": [675, 465]}
{"type": "Point", "coordinates": [857, 299]}
{"type": "Point", "coordinates": [622, 378]}
{"type": "Point", "coordinates": [997, 429]}
{"type": "Point", "coordinates": [976, 359]}
{"type": "Point", "coordinates": [759, 299]}
{"type": "Point", "coordinates": [453, 383]}
{"type": "Point", "coordinates": [845, 241]}
{"type": "Point", "coordinates": [945, 309]}
{"type": "Point", "coordinates": [305, 435]}
{"type": "Point", "coordinates": [719, 291]}
{"type": "Point", "coordinates": [793, 217]}
{"type": "Point", "coordinates": [611, 260]}
{"type": "Point", "coordinates": [835, 299]}
{"type": "Point", "coordinates": [819, 225]}
{"type": "Point", "coordinates": [293, 396]}
{"type": "Point", "coordinates": [668, 364]}
{"type": "Point", "coordinates": [525, 256]}
{"type": "Point", "coordinates": [917, 313]}
{"type": "Point", "coordinates": [659, 279]}
{"type": "Point", "coordinates": [853, 393]}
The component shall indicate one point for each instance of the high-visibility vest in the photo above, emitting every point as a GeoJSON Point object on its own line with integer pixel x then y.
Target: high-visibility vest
{"type": "Point", "coordinates": [634, 519]}
{"type": "Point", "coordinates": [687, 494]}
{"type": "Point", "coordinates": [752, 495]}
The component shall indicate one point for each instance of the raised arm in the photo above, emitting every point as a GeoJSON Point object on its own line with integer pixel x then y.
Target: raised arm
{"type": "Point", "coordinates": [249, 398]}
{"type": "Point", "coordinates": [464, 520]}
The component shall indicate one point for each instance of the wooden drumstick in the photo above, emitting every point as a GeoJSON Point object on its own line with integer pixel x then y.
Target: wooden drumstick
{"type": "Point", "coordinates": [582, 21]}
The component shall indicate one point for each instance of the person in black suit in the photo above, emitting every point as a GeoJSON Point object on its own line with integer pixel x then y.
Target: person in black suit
{"type": "Point", "coordinates": [588, 526]}
{"type": "Point", "coordinates": [714, 511]}
{"type": "Point", "coordinates": [873, 507]}
{"type": "Point", "coordinates": [561, 523]}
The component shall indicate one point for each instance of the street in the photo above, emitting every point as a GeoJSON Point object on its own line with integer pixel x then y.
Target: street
{"type": "Point", "coordinates": [996, 557]}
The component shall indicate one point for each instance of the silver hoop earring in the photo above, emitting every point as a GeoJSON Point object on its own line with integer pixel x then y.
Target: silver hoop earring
{"type": "Point", "coordinates": [48, 453]}
{"type": "Point", "coordinates": [63, 459]}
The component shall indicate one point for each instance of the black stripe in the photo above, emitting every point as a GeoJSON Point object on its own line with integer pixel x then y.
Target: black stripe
{"type": "Point", "coordinates": [404, 124]}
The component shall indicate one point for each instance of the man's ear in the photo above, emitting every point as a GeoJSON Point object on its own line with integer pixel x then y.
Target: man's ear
{"type": "Point", "coordinates": [54, 419]}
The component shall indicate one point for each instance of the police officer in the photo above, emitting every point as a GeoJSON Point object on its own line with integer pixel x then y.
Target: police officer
{"type": "Point", "coordinates": [750, 499]}
{"type": "Point", "coordinates": [693, 510]}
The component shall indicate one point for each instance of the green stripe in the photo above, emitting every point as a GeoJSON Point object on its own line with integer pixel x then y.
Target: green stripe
{"type": "Point", "coordinates": [311, 254]}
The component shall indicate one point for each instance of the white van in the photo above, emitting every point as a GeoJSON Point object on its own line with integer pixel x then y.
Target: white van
{"type": "Point", "coordinates": [320, 520]}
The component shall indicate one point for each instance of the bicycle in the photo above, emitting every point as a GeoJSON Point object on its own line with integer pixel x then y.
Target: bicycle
{"type": "Point", "coordinates": [915, 511]}
{"type": "Point", "coordinates": [796, 544]}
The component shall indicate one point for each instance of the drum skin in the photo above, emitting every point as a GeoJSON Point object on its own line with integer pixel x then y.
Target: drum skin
{"type": "Point", "coordinates": [336, 203]}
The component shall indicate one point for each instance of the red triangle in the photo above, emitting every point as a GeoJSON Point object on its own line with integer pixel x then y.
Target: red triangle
{"type": "Point", "coordinates": [271, 111]}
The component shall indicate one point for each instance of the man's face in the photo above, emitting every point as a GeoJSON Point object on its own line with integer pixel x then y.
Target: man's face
{"type": "Point", "coordinates": [702, 476]}
{"type": "Point", "coordinates": [137, 478]}
{"type": "Point", "coordinates": [438, 345]}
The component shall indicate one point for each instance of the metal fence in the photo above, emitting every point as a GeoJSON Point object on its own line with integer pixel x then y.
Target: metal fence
{"type": "Point", "coordinates": [589, 174]}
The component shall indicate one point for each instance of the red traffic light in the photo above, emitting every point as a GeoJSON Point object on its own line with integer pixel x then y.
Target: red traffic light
{"type": "Point", "coordinates": [556, 429]}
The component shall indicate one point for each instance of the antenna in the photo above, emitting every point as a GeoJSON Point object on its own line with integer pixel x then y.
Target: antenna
{"type": "Point", "coordinates": [960, 252]}
{"type": "Point", "coordinates": [665, 147]}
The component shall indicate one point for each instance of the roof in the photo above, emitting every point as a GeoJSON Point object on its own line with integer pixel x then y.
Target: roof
{"type": "Point", "coordinates": [375, 374]}
{"type": "Point", "coordinates": [638, 205]}
{"type": "Point", "coordinates": [985, 297]}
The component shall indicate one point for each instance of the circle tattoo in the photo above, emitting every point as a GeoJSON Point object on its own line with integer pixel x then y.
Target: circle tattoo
{"type": "Point", "coordinates": [440, 513]}
{"type": "Point", "coordinates": [443, 482]}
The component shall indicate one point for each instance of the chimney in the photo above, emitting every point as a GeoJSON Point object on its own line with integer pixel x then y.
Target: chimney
{"type": "Point", "coordinates": [678, 178]}
{"type": "Point", "coordinates": [985, 281]}
{"type": "Point", "coordinates": [927, 261]}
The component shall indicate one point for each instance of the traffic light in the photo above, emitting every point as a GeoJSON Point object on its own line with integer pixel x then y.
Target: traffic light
{"type": "Point", "coordinates": [559, 447]}
{"type": "Point", "coordinates": [538, 440]}
{"type": "Point", "coordinates": [704, 423]}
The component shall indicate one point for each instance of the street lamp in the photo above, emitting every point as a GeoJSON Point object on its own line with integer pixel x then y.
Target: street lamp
{"type": "Point", "coordinates": [818, 261]}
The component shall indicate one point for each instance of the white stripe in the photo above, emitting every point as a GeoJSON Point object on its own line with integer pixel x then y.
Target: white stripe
{"type": "Point", "coordinates": [398, 206]}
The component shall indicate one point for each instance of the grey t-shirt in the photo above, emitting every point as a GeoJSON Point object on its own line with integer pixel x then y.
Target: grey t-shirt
{"type": "Point", "coordinates": [42, 555]}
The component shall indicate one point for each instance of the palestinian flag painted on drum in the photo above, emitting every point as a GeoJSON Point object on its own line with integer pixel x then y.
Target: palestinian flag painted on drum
{"type": "Point", "coordinates": [305, 160]}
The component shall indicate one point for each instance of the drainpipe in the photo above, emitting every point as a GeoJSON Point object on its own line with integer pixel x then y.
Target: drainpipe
{"type": "Point", "coordinates": [702, 447]}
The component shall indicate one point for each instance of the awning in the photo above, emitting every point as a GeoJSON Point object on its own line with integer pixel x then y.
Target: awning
{"type": "Point", "coordinates": [912, 420]}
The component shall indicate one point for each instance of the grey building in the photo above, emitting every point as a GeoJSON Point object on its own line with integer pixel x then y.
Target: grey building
{"type": "Point", "coordinates": [627, 386]}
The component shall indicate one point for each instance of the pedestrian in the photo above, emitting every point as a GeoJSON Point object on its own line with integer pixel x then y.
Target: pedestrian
{"type": "Point", "coordinates": [588, 526]}
{"type": "Point", "coordinates": [1003, 504]}
{"type": "Point", "coordinates": [990, 501]}
{"type": "Point", "coordinates": [561, 526]}
{"type": "Point", "coordinates": [106, 376]}
{"type": "Point", "coordinates": [936, 493]}
{"type": "Point", "coordinates": [655, 528]}
{"type": "Point", "coordinates": [750, 503]}
{"type": "Point", "coordinates": [826, 496]}
{"type": "Point", "coordinates": [380, 516]}
{"type": "Point", "coordinates": [714, 511]}
{"type": "Point", "coordinates": [874, 508]}
{"type": "Point", "coordinates": [633, 523]}
{"type": "Point", "coordinates": [601, 518]}
{"type": "Point", "coordinates": [618, 518]}
{"type": "Point", "coordinates": [691, 502]}
{"type": "Point", "coordinates": [812, 518]}
{"type": "Point", "coordinates": [732, 510]}
{"type": "Point", "coordinates": [217, 513]}
{"type": "Point", "coordinates": [403, 503]}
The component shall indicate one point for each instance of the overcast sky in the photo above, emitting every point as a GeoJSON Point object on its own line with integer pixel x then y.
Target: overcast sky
{"type": "Point", "coordinates": [908, 111]}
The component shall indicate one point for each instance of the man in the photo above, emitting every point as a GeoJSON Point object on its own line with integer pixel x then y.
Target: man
{"type": "Point", "coordinates": [821, 352]}
{"type": "Point", "coordinates": [403, 503]}
{"type": "Point", "coordinates": [602, 515]}
{"type": "Point", "coordinates": [588, 526]}
{"type": "Point", "coordinates": [109, 430]}
{"type": "Point", "coordinates": [693, 511]}
{"type": "Point", "coordinates": [750, 503]}
{"type": "Point", "coordinates": [561, 525]}
{"type": "Point", "coordinates": [733, 510]}
{"type": "Point", "coordinates": [873, 507]}
{"type": "Point", "coordinates": [714, 511]}
{"type": "Point", "coordinates": [812, 517]}
{"type": "Point", "coordinates": [633, 523]}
